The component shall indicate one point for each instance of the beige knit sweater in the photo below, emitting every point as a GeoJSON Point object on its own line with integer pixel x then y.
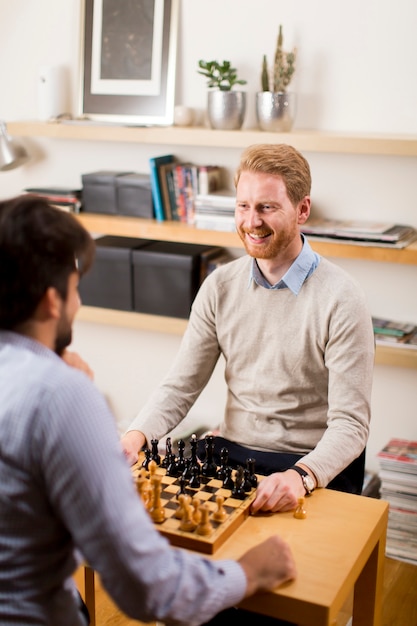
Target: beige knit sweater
{"type": "Point", "coordinates": [298, 368]}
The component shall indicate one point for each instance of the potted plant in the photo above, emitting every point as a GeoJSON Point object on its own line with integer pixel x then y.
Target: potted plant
{"type": "Point", "coordinates": [275, 106]}
{"type": "Point", "coordinates": [225, 107]}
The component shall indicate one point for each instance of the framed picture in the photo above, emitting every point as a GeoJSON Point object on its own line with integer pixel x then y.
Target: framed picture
{"type": "Point", "coordinates": [128, 61]}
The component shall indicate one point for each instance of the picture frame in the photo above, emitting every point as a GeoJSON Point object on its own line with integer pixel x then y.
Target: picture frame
{"type": "Point", "coordinates": [128, 61]}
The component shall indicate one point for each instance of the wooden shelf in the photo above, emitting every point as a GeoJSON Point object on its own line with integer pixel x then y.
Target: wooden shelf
{"type": "Point", "coordinates": [385, 355]}
{"type": "Point", "coordinates": [131, 319]}
{"type": "Point", "coordinates": [397, 357]}
{"type": "Point", "coordinates": [174, 231]}
{"type": "Point", "coordinates": [304, 140]}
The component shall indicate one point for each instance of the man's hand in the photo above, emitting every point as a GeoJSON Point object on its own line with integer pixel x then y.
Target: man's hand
{"type": "Point", "coordinates": [278, 492]}
{"type": "Point", "coordinates": [73, 359]}
{"type": "Point", "coordinates": [268, 565]}
{"type": "Point", "coordinates": [132, 442]}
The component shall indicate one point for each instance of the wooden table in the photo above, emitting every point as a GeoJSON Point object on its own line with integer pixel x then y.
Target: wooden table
{"type": "Point", "coordinates": [338, 547]}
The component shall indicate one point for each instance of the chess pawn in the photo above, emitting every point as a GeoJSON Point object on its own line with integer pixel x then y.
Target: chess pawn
{"type": "Point", "coordinates": [183, 501]}
{"type": "Point", "coordinates": [195, 479]}
{"type": "Point", "coordinates": [187, 523]}
{"type": "Point", "coordinates": [147, 458]}
{"type": "Point", "coordinates": [196, 511]}
{"type": "Point", "coordinates": [250, 464]}
{"type": "Point", "coordinates": [204, 527]}
{"type": "Point", "coordinates": [142, 485]}
{"type": "Point", "coordinates": [219, 514]}
{"type": "Point", "coordinates": [228, 479]}
{"type": "Point", "coordinates": [300, 512]}
{"type": "Point", "coordinates": [156, 510]}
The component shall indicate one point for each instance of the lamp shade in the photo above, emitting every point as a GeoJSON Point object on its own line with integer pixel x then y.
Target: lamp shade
{"type": "Point", "coordinates": [12, 154]}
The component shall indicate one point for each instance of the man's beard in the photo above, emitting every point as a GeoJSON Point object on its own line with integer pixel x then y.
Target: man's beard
{"type": "Point", "coordinates": [63, 337]}
{"type": "Point", "coordinates": [278, 243]}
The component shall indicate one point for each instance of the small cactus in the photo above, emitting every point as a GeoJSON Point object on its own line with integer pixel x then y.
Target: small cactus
{"type": "Point", "coordinates": [283, 70]}
{"type": "Point", "coordinates": [265, 74]}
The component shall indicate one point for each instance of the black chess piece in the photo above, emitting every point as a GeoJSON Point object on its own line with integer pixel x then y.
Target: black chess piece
{"type": "Point", "coordinates": [172, 467]}
{"type": "Point", "coordinates": [224, 459]}
{"type": "Point", "coordinates": [228, 480]}
{"type": "Point", "coordinates": [181, 462]}
{"type": "Point", "coordinates": [250, 464]}
{"type": "Point", "coordinates": [187, 470]}
{"type": "Point", "coordinates": [147, 459]}
{"type": "Point", "coordinates": [194, 462]}
{"type": "Point", "coordinates": [209, 468]}
{"type": "Point", "coordinates": [238, 490]}
{"type": "Point", "coordinates": [155, 456]}
{"type": "Point", "coordinates": [182, 482]}
{"type": "Point", "coordinates": [168, 453]}
{"type": "Point", "coordinates": [247, 485]}
{"type": "Point", "coordinates": [195, 482]}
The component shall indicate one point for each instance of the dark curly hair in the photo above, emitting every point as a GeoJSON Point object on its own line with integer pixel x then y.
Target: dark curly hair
{"type": "Point", "coordinates": [40, 246]}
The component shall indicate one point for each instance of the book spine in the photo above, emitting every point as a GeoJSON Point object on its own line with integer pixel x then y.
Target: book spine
{"type": "Point", "coordinates": [163, 180]}
{"type": "Point", "coordinates": [172, 193]}
{"type": "Point", "coordinates": [154, 163]}
{"type": "Point", "coordinates": [180, 193]}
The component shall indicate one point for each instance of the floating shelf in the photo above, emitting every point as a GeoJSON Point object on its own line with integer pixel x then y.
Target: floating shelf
{"type": "Point", "coordinates": [304, 140]}
{"type": "Point", "coordinates": [175, 231]}
{"type": "Point", "coordinates": [385, 355]}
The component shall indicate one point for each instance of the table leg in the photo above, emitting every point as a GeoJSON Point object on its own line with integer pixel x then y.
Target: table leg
{"type": "Point", "coordinates": [367, 598]}
{"type": "Point", "coordinates": [90, 594]}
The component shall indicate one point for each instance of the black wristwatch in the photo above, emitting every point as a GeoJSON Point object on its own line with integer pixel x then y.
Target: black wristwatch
{"type": "Point", "coordinates": [308, 482]}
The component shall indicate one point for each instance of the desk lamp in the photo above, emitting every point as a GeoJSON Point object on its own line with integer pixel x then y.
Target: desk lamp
{"type": "Point", "coordinates": [12, 154]}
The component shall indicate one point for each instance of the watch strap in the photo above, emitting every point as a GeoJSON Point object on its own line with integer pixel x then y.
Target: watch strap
{"type": "Point", "coordinates": [305, 476]}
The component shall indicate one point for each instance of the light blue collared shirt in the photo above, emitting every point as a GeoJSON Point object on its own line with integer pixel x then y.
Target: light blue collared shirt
{"type": "Point", "coordinates": [303, 266]}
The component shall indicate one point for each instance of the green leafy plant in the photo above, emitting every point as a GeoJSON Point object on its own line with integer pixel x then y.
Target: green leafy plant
{"type": "Point", "coordinates": [221, 76]}
{"type": "Point", "coordinates": [283, 69]}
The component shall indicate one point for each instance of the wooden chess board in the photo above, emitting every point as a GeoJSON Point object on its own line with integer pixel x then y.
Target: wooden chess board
{"type": "Point", "coordinates": [237, 511]}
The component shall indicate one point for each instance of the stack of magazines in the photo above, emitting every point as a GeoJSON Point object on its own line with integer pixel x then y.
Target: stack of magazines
{"type": "Point", "coordinates": [216, 210]}
{"type": "Point", "coordinates": [398, 474]}
{"type": "Point", "coordinates": [402, 334]}
{"type": "Point", "coordinates": [364, 233]}
{"type": "Point", "coordinates": [65, 198]}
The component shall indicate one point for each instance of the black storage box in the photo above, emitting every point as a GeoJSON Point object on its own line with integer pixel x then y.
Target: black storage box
{"type": "Point", "coordinates": [109, 283]}
{"type": "Point", "coordinates": [134, 195]}
{"type": "Point", "coordinates": [99, 191]}
{"type": "Point", "coordinates": [167, 275]}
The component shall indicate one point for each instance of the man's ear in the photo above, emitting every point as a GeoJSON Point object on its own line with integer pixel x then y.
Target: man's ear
{"type": "Point", "coordinates": [303, 210]}
{"type": "Point", "coordinates": [51, 304]}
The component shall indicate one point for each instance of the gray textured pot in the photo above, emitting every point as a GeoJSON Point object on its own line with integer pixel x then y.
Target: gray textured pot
{"type": "Point", "coordinates": [226, 109]}
{"type": "Point", "coordinates": [275, 111]}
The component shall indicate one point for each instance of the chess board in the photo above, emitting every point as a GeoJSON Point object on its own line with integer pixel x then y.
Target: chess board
{"type": "Point", "coordinates": [237, 511]}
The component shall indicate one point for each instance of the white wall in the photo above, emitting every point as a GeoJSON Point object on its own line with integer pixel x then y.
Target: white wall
{"type": "Point", "coordinates": [355, 73]}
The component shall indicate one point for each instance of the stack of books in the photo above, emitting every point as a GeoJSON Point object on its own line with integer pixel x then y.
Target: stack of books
{"type": "Point", "coordinates": [215, 211]}
{"type": "Point", "coordinates": [175, 186]}
{"type": "Point", "coordinates": [365, 233]}
{"type": "Point", "coordinates": [65, 198]}
{"type": "Point", "coordinates": [401, 334]}
{"type": "Point", "coordinates": [398, 474]}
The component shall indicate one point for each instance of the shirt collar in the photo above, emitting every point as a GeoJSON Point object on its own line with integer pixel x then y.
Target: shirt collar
{"type": "Point", "coordinates": [294, 277]}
